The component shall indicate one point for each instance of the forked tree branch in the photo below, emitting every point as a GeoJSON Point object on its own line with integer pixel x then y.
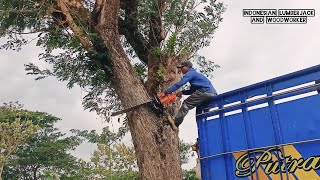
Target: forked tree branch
{"type": "Point", "coordinates": [129, 28]}
{"type": "Point", "coordinates": [76, 30]}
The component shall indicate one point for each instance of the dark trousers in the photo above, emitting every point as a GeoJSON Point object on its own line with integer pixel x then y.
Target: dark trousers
{"type": "Point", "coordinates": [195, 99]}
{"type": "Point", "coordinates": [318, 89]}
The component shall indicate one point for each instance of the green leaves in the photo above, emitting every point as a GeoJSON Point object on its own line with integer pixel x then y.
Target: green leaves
{"type": "Point", "coordinates": [15, 129]}
{"type": "Point", "coordinates": [157, 53]}
{"type": "Point", "coordinates": [171, 44]}
{"type": "Point", "coordinates": [192, 23]}
{"type": "Point", "coordinates": [38, 146]}
{"type": "Point", "coordinates": [190, 175]}
{"type": "Point", "coordinates": [14, 42]}
{"type": "Point", "coordinates": [206, 67]}
{"type": "Point", "coordinates": [140, 70]}
{"type": "Point", "coordinates": [112, 160]}
{"type": "Point", "coordinates": [185, 151]}
{"type": "Point", "coordinates": [159, 74]}
{"type": "Point", "coordinates": [187, 24]}
{"type": "Point", "coordinates": [17, 16]}
{"type": "Point", "coordinates": [106, 137]}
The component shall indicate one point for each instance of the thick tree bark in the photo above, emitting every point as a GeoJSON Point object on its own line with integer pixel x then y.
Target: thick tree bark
{"type": "Point", "coordinates": [156, 145]}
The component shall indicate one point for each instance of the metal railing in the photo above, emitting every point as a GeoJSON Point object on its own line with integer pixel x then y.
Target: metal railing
{"type": "Point", "coordinates": [262, 98]}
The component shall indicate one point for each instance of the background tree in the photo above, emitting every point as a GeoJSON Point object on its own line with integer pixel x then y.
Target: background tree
{"type": "Point", "coordinates": [99, 40]}
{"type": "Point", "coordinates": [47, 150]}
{"type": "Point", "coordinates": [15, 128]}
{"type": "Point", "coordinates": [113, 159]}
{"type": "Point", "coordinates": [118, 162]}
{"type": "Point", "coordinates": [189, 175]}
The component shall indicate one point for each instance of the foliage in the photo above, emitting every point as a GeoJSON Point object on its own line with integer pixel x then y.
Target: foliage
{"type": "Point", "coordinates": [190, 175]}
{"type": "Point", "coordinates": [140, 69]}
{"type": "Point", "coordinates": [46, 155]}
{"type": "Point", "coordinates": [51, 175]}
{"type": "Point", "coordinates": [171, 43]}
{"type": "Point", "coordinates": [206, 67]}
{"type": "Point", "coordinates": [115, 159]}
{"type": "Point", "coordinates": [185, 151]}
{"type": "Point", "coordinates": [15, 128]}
{"type": "Point", "coordinates": [112, 160]}
{"type": "Point", "coordinates": [159, 74]}
{"type": "Point", "coordinates": [157, 53]}
{"type": "Point", "coordinates": [106, 137]}
{"type": "Point", "coordinates": [45, 151]}
{"type": "Point", "coordinates": [187, 26]}
{"type": "Point", "coordinates": [191, 25]}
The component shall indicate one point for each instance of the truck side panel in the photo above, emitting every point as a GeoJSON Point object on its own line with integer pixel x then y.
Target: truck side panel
{"type": "Point", "coordinates": [268, 130]}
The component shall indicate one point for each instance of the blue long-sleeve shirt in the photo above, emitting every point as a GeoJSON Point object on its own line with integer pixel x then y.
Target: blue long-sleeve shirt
{"type": "Point", "coordinates": [197, 81]}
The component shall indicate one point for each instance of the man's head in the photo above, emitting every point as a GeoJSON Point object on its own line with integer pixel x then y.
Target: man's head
{"type": "Point", "coordinates": [184, 66]}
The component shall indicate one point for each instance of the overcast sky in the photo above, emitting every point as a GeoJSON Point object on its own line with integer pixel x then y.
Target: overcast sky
{"type": "Point", "coordinates": [247, 53]}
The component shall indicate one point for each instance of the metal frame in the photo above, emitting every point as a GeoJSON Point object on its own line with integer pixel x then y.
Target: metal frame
{"type": "Point", "coordinates": [260, 99]}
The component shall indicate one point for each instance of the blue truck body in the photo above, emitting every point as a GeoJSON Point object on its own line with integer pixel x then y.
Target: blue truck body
{"type": "Point", "coordinates": [268, 130]}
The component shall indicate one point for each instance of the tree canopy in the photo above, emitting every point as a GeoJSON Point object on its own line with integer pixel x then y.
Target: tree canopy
{"type": "Point", "coordinates": [77, 52]}
{"type": "Point", "coordinates": [38, 145]}
{"type": "Point", "coordinates": [121, 52]}
{"type": "Point", "coordinates": [16, 127]}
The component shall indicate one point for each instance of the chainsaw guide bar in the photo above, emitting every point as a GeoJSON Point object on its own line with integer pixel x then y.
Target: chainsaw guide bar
{"type": "Point", "coordinates": [129, 109]}
{"type": "Point", "coordinates": [156, 104]}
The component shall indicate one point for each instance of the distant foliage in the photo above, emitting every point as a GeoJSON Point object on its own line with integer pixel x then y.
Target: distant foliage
{"type": "Point", "coordinates": [189, 175]}
{"type": "Point", "coordinates": [16, 127]}
{"type": "Point", "coordinates": [112, 160]}
{"type": "Point", "coordinates": [45, 150]}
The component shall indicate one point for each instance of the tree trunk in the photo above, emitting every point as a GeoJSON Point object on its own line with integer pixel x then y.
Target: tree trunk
{"type": "Point", "coordinates": [156, 145]}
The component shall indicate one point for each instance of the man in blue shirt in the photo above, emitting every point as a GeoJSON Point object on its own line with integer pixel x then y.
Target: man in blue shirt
{"type": "Point", "coordinates": [200, 91]}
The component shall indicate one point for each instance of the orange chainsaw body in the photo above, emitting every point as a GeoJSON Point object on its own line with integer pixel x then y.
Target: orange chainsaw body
{"type": "Point", "coordinates": [168, 99]}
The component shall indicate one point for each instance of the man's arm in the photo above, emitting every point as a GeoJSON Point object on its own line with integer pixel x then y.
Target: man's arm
{"type": "Point", "coordinates": [186, 78]}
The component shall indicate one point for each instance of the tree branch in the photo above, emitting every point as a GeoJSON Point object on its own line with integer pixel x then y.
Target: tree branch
{"type": "Point", "coordinates": [129, 28]}
{"type": "Point", "coordinates": [155, 22]}
{"type": "Point", "coordinates": [32, 31]}
{"type": "Point", "coordinates": [27, 10]}
{"type": "Point", "coordinates": [104, 17]}
{"type": "Point", "coordinates": [76, 30]}
{"type": "Point", "coordinates": [20, 10]}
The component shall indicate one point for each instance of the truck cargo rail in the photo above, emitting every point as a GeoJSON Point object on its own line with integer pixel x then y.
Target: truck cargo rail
{"type": "Point", "coordinates": [268, 130]}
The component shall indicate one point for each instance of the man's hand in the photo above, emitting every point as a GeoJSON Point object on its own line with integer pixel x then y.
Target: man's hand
{"type": "Point", "coordinates": [179, 93]}
{"type": "Point", "coordinates": [160, 94]}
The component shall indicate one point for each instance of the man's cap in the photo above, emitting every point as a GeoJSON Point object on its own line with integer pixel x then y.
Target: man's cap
{"type": "Point", "coordinates": [185, 63]}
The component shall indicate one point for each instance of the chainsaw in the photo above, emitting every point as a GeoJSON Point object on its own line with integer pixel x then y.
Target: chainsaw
{"type": "Point", "coordinates": [157, 105]}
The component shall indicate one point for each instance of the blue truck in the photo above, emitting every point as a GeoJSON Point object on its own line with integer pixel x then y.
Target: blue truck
{"type": "Point", "coordinates": [269, 130]}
